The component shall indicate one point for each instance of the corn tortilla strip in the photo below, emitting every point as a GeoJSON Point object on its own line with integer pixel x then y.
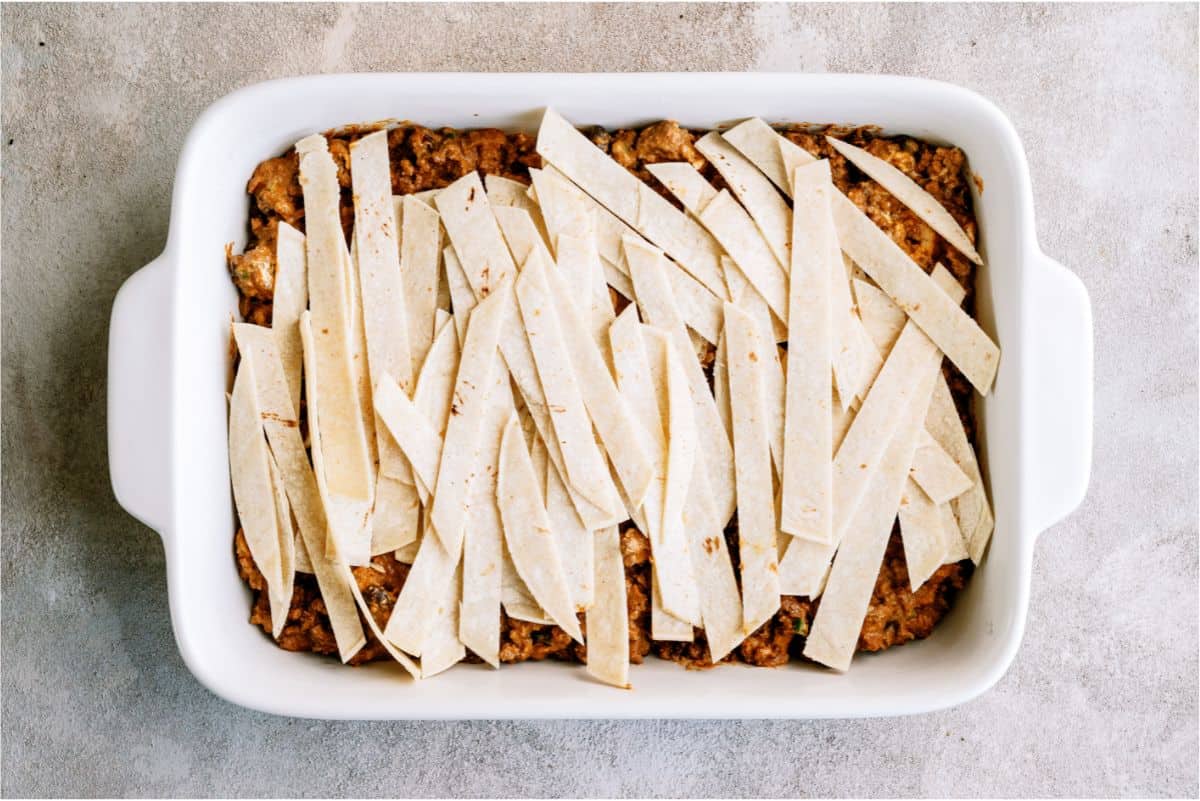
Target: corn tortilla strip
{"type": "Point", "coordinates": [734, 229]}
{"type": "Point", "coordinates": [936, 472]}
{"type": "Point", "coordinates": [397, 518]}
{"type": "Point", "coordinates": [629, 199]}
{"type": "Point", "coordinates": [608, 409]}
{"type": "Point", "coordinates": [442, 649]}
{"type": "Point", "coordinates": [659, 309]}
{"type": "Point", "coordinates": [420, 271]}
{"type": "Point", "coordinates": [608, 619]}
{"type": "Point", "coordinates": [952, 329]}
{"type": "Point", "coordinates": [287, 534]}
{"type": "Point", "coordinates": [645, 372]}
{"type": "Point", "coordinates": [585, 466]}
{"type": "Point", "coordinates": [417, 438]}
{"type": "Point", "coordinates": [254, 494]}
{"type": "Point", "coordinates": [347, 534]}
{"type": "Point", "coordinates": [748, 300]}
{"type": "Point", "coordinates": [834, 632]}
{"type": "Point", "coordinates": [807, 482]}
{"type": "Point", "coordinates": [258, 349]}
{"type": "Point", "coordinates": [575, 546]}
{"type": "Point", "coordinates": [345, 440]}
{"type": "Point", "coordinates": [910, 194]}
{"type": "Point", "coordinates": [461, 447]}
{"type": "Point", "coordinates": [752, 458]}
{"type": "Point", "coordinates": [921, 533]}
{"type": "Point", "coordinates": [956, 546]}
{"type": "Point", "coordinates": [290, 299]}
{"type": "Point", "coordinates": [527, 532]}
{"type": "Point", "coordinates": [764, 203]}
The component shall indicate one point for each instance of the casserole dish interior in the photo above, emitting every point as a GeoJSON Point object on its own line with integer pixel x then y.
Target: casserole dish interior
{"type": "Point", "coordinates": [170, 368]}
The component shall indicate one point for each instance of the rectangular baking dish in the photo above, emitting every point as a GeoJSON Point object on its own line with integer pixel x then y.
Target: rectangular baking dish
{"type": "Point", "coordinates": [169, 367]}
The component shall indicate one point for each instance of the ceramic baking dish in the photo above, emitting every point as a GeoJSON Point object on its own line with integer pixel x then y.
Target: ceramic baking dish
{"type": "Point", "coordinates": [169, 368]}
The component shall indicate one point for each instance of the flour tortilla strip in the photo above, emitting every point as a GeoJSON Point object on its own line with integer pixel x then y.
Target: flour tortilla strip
{"type": "Point", "coordinates": [347, 533]}
{"type": "Point", "coordinates": [952, 329]}
{"type": "Point", "coordinates": [843, 416]}
{"type": "Point", "coordinates": [921, 533]}
{"type": "Point", "coordinates": [514, 194]}
{"type": "Point", "coordinates": [346, 451]}
{"type": "Point", "coordinates": [640, 356]}
{"type": "Point", "coordinates": [521, 235]}
{"type": "Point", "coordinates": [609, 411]}
{"type": "Point", "coordinates": [514, 345]}
{"type": "Point", "coordinates": [807, 483]}
{"type": "Point", "coordinates": [936, 473]}
{"type": "Point", "coordinates": [581, 269]}
{"type": "Point", "coordinates": [303, 563]}
{"type": "Point", "coordinates": [574, 540]}
{"type": "Point", "coordinates": [748, 300]}
{"type": "Point", "coordinates": [420, 270]}
{"type": "Point", "coordinates": [435, 385]}
{"type": "Point", "coordinates": [585, 466]}
{"type": "Point", "coordinates": [608, 618]}
{"type": "Point", "coordinates": [288, 536]}
{"type": "Point", "coordinates": [253, 493]}
{"type": "Point", "coordinates": [397, 518]}
{"type": "Point", "coordinates": [883, 319]}
{"type": "Point", "coordinates": [258, 350]}
{"type": "Point", "coordinates": [471, 226]}
{"type": "Point", "coordinates": [407, 554]}
{"type": "Point", "coordinates": [461, 296]}
{"type": "Point", "coordinates": [665, 627]}
{"type": "Point", "coordinates": [461, 446]}
{"type": "Point", "coordinates": [632, 201]}
{"type": "Point", "coordinates": [515, 596]}
{"type": "Point", "coordinates": [752, 457]}
{"type": "Point", "coordinates": [417, 438]}
{"type": "Point", "coordinates": [736, 232]}
{"type": "Point", "coordinates": [290, 299]}
{"type": "Point", "coordinates": [908, 192]}
{"type": "Point", "coordinates": [442, 648]}
{"type": "Point", "coordinates": [721, 386]}
{"type": "Point", "coordinates": [761, 145]}
{"type": "Point", "coordinates": [765, 204]}
{"type": "Point", "coordinates": [956, 546]}
{"type": "Point", "coordinates": [658, 306]}
{"type": "Point", "coordinates": [412, 615]}
{"type": "Point", "coordinates": [527, 532]}
{"type": "Point", "coordinates": [835, 628]}
{"type": "Point", "coordinates": [974, 514]}
{"type": "Point", "coordinates": [690, 188]}
{"type": "Point", "coordinates": [541, 462]}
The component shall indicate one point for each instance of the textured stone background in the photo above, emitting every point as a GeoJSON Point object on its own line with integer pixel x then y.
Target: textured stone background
{"type": "Point", "coordinates": [1102, 698]}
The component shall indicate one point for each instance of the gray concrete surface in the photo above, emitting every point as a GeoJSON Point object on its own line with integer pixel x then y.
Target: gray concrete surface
{"type": "Point", "coordinates": [1102, 698]}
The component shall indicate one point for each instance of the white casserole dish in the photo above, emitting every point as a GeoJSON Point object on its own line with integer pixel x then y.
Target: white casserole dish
{"type": "Point", "coordinates": [169, 366]}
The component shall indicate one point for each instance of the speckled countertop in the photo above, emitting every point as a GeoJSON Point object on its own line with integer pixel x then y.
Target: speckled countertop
{"type": "Point", "coordinates": [1102, 698]}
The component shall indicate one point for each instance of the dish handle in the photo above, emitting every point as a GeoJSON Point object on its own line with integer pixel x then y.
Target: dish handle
{"type": "Point", "coordinates": [1060, 401]}
{"type": "Point", "coordinates": [139, 407]}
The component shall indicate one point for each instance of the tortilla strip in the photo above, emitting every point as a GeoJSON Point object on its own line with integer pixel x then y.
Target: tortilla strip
{"type": "Point", "coordinates": [632, 201]}
{"type": "Point", "coordinates": [954, 331]}
{"type": "Point", "coordinates": [974, 514]}
{"type": "Point", "coordinates": [420, 249]}
{"type": "Point", "coordinates": [303, 563]}
{"type": "Point", "coordinates": [764, 203]}
{"type": "Point", "coordinates": [461, 446]}
{"type": "Point", "coordinates": [473, 231]}
{"type": "Point", "coordinates": [580, 265]}
{"type": "Point", "coordinates": [442, 649]}
{"type": "Point", "coordinates": [748, 300]}
{"type": "Point", "coordinates": [883, 319]}
{"type": "Point", "coordinates": [734, 229]}
{"type": "Point", "coordinates": [345, 445]}
{"type": "Point", "coordinates": [514, 595]}
{"type": "Point", "coordinates": [259, 351]}
{"type": "Point", "coordinates": [641, 357]}
{"type": "Point", "coordinates": [721, 386]}
{"type": "Point", "coordinates": [505, 192]}
{"type": "Point", "coordinates": [461, 296]}
{"type": "Point", "coordinates": [908, 192]}
{"type": "Point", "coordinates": [762, 146]}
{"type": "Point", "coordinates": [658, 306]}
{"type": "Point", "coordinates": [585, 466]}
{"type": "Point", "coordinates": [253, 492]}
{"type": "Point", "coordinates": [834, 632]}
{"type": "Point", "coordinates": [289, 537]}
{"type": "Point", "coordinates": [528, 534]}
{"type": "Point", "coordinates": [807, 482]}
{"type": "Point", "coordinates": [921, 533]}
{"type": "Point", "coordinates": [397, 518]}
{"type": "Point", "coordinates": [417, 438]}
{"type": "Point", "coordinates": [408, 554]}
{"type": "Point", "coordinates": [956, 546]}
{"type": "Point", "coordinates": [608, 619]}
{"type": "Point", "coordinates": [752, 458]}
{"type": "Point", "coordinates": [290, 299]}
{"type": "Point", "coordinates": [435, 384]}
{"type": "Point", "coordinates": [684, 181]}
{"type": "Point", "coordinates": [608, 409]}
{"type": "Point", "coordinates": [575, 547]}
{"type": "Point", "coordinates": [936, 472]}
{"type": "Point", "coordinates": [412, 615]}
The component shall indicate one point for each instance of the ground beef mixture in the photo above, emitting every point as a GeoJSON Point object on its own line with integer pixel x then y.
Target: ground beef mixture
{"type": "Point", "coordinates": [423, 159]}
